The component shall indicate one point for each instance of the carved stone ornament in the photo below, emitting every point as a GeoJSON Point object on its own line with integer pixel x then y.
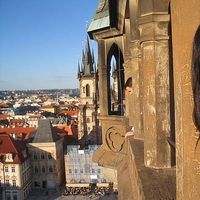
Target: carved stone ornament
{"type": "Point", "coordinates": [114, 139]}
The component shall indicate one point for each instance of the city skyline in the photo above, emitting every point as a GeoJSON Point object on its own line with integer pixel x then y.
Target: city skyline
{"type": "Point", "coordinates": [42, 42]}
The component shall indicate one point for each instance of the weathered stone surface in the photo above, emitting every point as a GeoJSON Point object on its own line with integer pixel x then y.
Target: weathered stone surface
{"type": "Point", "coordinates": [156, 184]}
{"type": "Point", "coordinates": [185, 20]}
{"type": "Point", "coordinates": [143, 35]}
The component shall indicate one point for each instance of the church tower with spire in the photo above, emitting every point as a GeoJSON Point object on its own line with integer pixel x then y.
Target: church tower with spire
{"type": "Point", "coordinates": [89, 130]}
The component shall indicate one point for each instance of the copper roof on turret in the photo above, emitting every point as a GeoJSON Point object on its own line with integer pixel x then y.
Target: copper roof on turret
{"type": "Point", "coordinates": [101, 18]}
{"type": "Point", "coordinates": [105, 16]}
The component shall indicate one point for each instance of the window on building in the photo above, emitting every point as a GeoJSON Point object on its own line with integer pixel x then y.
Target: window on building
{"type": "Point", "coordinates": [50, 169]}
{"type": "Point", "coordinates": [36, 184]}
{"type": "Point", "coordinates": [15, 197]}
{"type": "Point", "coordinates": [81, 171]}
{"type": "Point", "coordinates": [87, 90]}
{"type": "Point", "coordinates": [6, 168]}
{"type": "Point", "coordinates": [42, 156]}
{"type": "Point", "coordinates": [8, 195]}
{"type": "Point", "coordinates": [99, 171]}
{"type": "Point", "coordinates": [43, 169]}
{"type": "Point", "coordinates": [7, 183]}
{"type": "Point", "coordinates": [13, 169]}
{"type": "Point", "coordinates": [36, 169]}
{"type": "Point", "coordinates": [70, 171]}
{"type": "Point", "coordinates": [83, 89]}
{"type": "Point", "coordinates": [93, 117]}
{"type": "Point", "coordinates": [35, 156]}
{"type": "Point", "coordinates": [49, 156]}
{"type": "Point", "coordinates": [14, 183]}
{"type": "Point", "coordinates": [30, 155]}
{"type": "Point", "coordinates": [88, 120]}
{"type": "Point", "coordinates": [93, 170]}
{"type": "Point", "coordinates": [76, 171]}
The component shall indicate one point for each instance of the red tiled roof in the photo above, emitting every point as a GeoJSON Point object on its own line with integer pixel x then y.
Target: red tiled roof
{"type": "Point", "coordinates": [69, 112]}
{"type": "Point", "coordinates": [66, 130]}
{"type": "Point", "coordinates": [9, 145]}
{"type": "Point", "coordinates": [19, 131]}
{"type": "Point", "coordinates": [35, 117]}
{"type": "Point", "coordinates": [3, 106]}
{"type": "Point", "coordinates": [2, 116]}
{"type": "Point", "coordinates": [16, 121]}
{"type": "Point", "coordinates": [63, 129]}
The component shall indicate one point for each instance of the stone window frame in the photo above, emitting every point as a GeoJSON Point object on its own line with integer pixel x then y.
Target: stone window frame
{"type": "Point", "coordinates": [118, 55]}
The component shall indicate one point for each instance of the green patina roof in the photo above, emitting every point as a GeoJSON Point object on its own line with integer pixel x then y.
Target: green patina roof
{"type": "Point", "coordinates": [102, 17]}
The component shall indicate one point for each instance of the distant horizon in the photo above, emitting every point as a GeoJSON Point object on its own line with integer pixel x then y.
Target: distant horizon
{"type": "Point", "coordinates": [40, 89]}
{"type": "Point", "coordinates": [42, 43]}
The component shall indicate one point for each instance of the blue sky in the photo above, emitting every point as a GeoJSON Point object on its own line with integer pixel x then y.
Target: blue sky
{"type": "Point", "coordinates": [41, 42]}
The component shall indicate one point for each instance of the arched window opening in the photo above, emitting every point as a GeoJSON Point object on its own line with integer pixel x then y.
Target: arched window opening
{"type": "Point", "coordinates": [87, 90]}
{"type": "Point", "coordinates": [114, 85]}
{"type": "Point", "coordinates": [115, 81]}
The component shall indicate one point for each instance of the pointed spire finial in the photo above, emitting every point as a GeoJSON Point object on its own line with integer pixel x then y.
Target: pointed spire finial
{"type": "Point", "coordinates": [79, 71]}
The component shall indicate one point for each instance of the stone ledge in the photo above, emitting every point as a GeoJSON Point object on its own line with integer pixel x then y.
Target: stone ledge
{"type": "Point", "coordinates": [107, 158]}
{"type": "Point", "coordinates": [157, 184]}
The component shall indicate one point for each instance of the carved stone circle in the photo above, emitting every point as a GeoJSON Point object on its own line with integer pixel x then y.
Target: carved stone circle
{"type": "Point", "coordinates": [114, 139]}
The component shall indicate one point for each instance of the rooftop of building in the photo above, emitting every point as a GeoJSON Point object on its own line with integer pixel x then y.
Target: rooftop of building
{"type": "Point", "coordinates": [10, 146]}
{"type": "Point", "coordinates": [45, 132]}
{"type": "Point", "coordinates": [19, 132]}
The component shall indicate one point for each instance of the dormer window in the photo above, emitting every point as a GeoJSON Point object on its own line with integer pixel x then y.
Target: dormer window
{"type": "Point", "coordinates": [9, 157]}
